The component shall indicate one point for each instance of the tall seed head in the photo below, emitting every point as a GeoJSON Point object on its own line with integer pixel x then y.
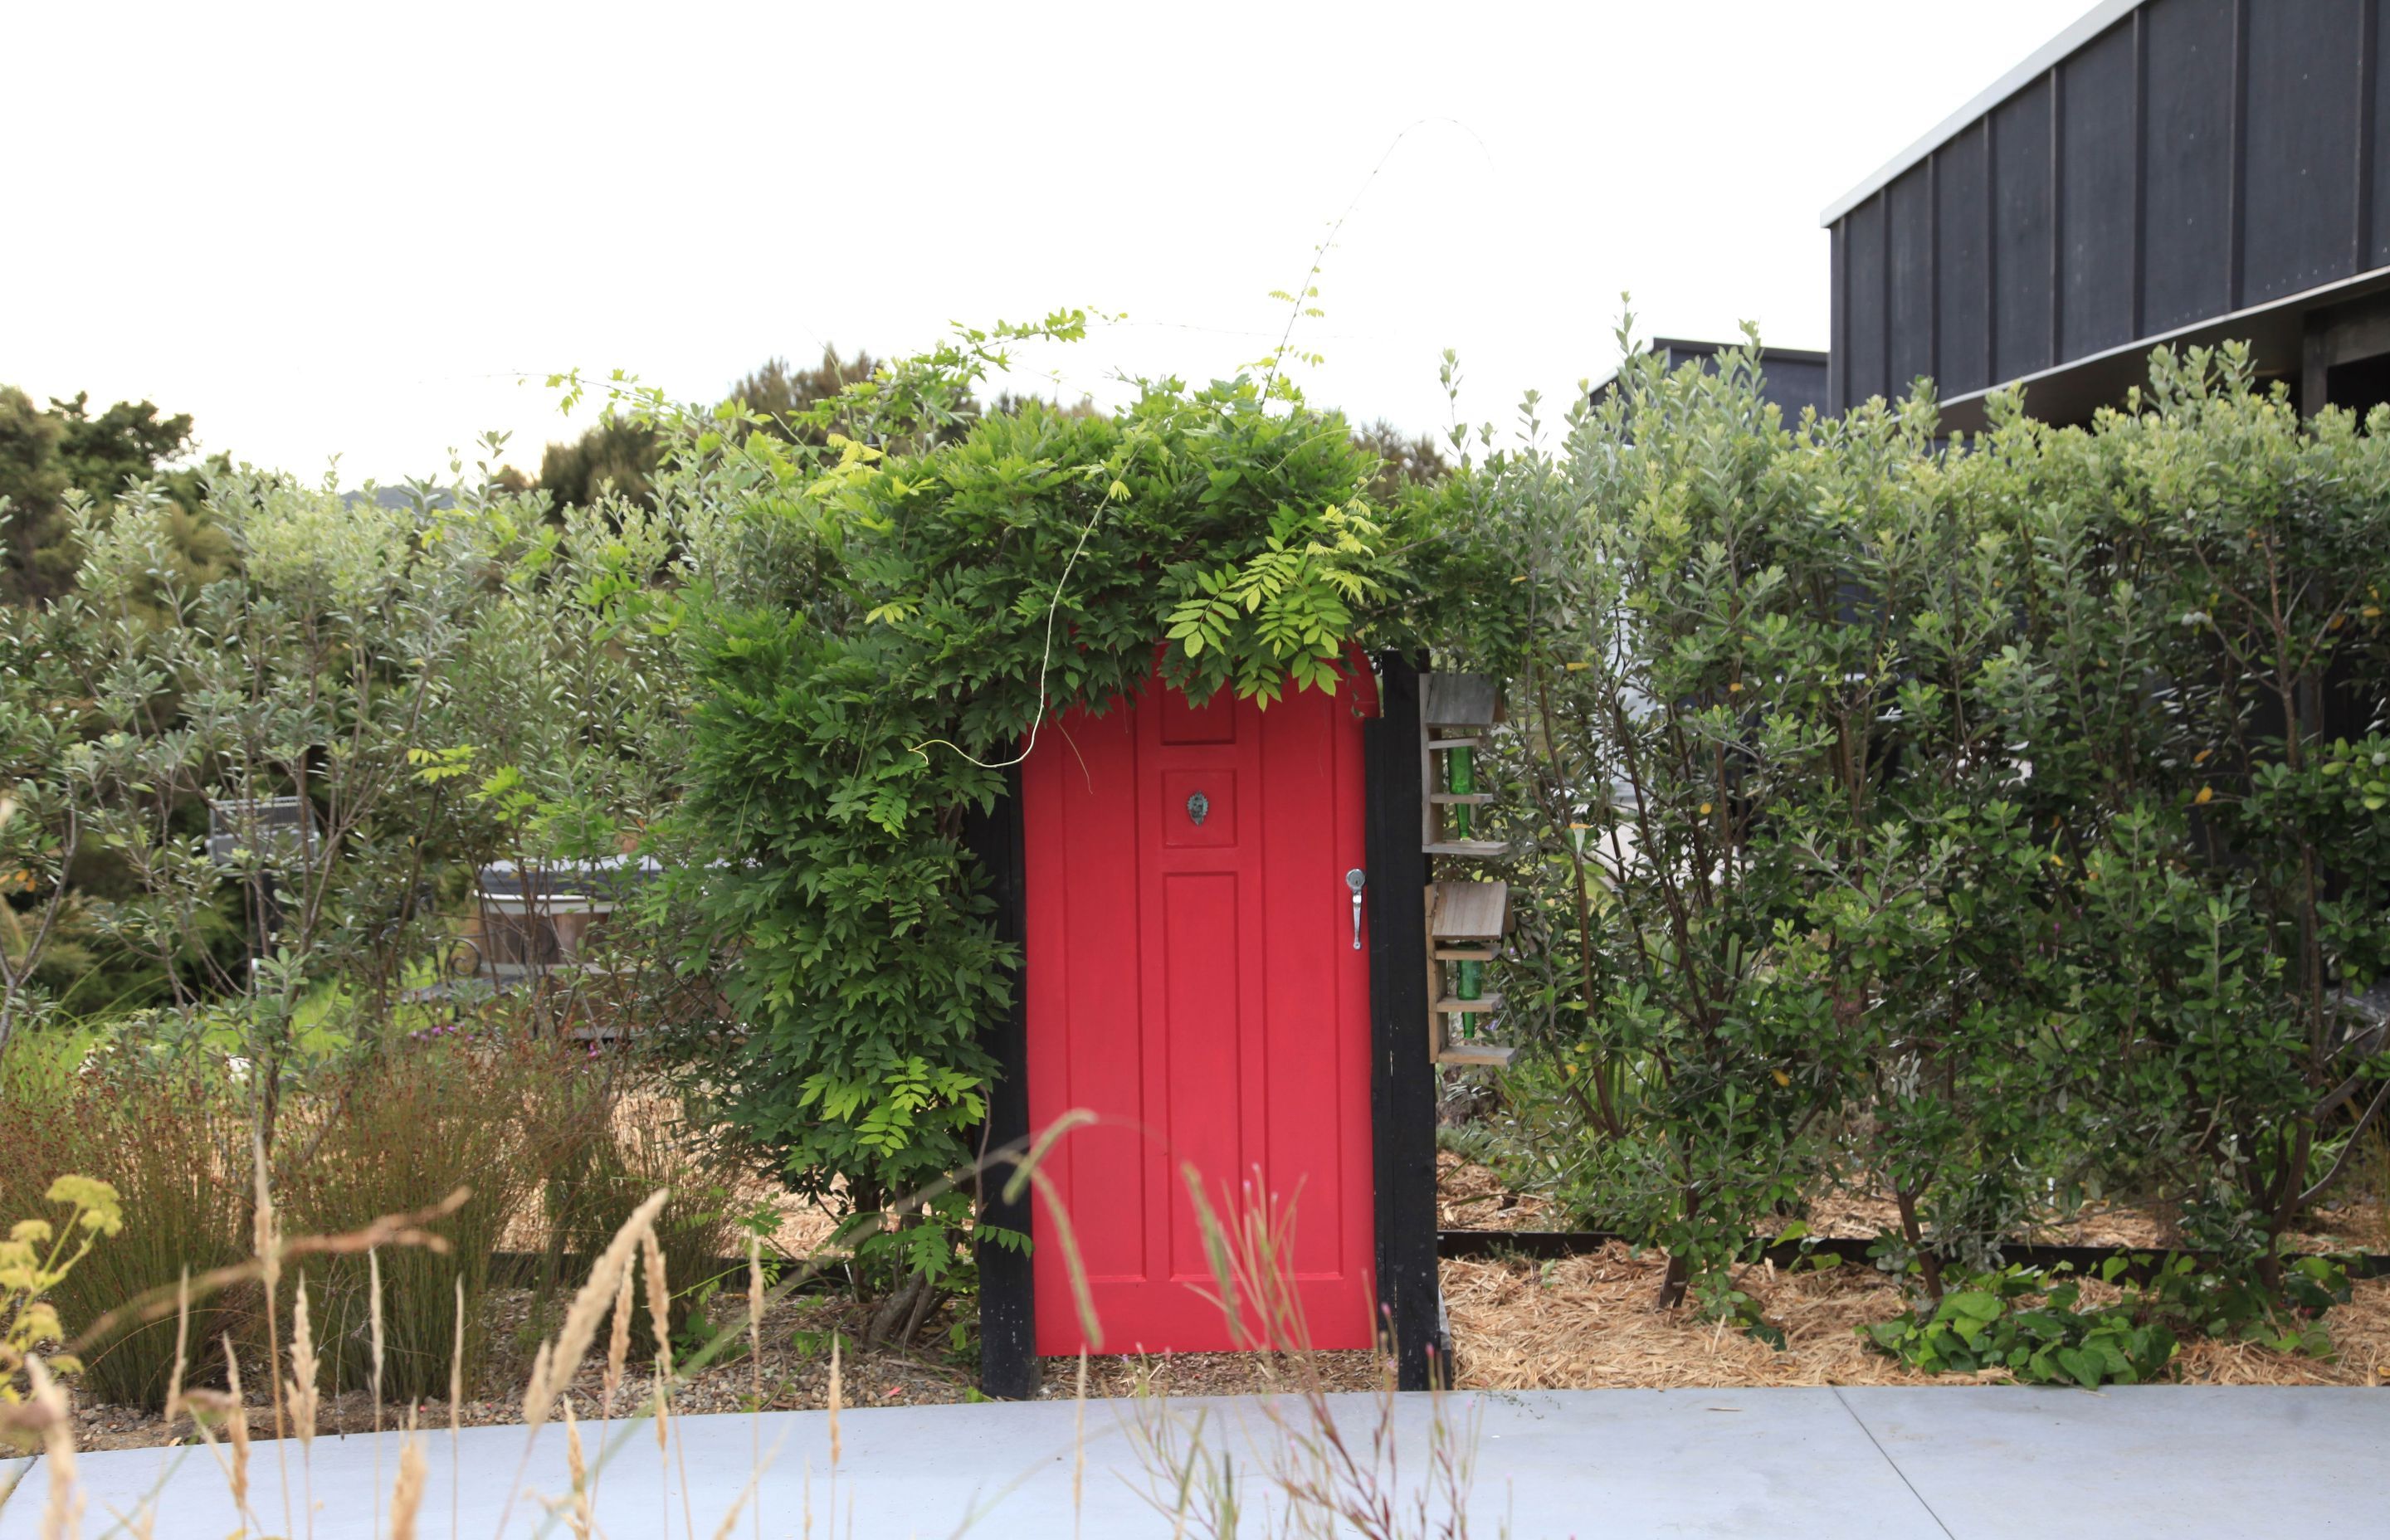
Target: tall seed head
{"type": "Point", "coordinates": [373, 1317]}
{"type": "Point", "coordinates": [539, 1396]}
{"type": "Point", "coordinates": [236, 1427]}
{"type": "Point", "coordinates": [588, 1308]}
{"type": "Point", "coordinates": [618, 1342]}
{"type": "Point", "coordinates": [659, 1300]}
{"type": "Point", "coordinates": [456, 1365]}
{"type": "Point", "coordinates": [837, 1395]}
{"type": "Point", "coordinates": [182, 1344]}
{"type": "Point", "coordinates": [62, 1515]}
{"type": "Point", "coordinates": [266, 1235]}
{"type": "Point", "coordinates": [302, 1395]}
{"type": "Point", "coordinates": [406, 1498]}
{"type": "Point", "coordinates": [579, 1518]}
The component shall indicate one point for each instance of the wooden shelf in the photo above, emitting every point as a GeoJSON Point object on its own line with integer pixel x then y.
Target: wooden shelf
{"type": "Point", "coordinates": [1434, 743]}
{"type": "Point", "coordinates": [1460, 700]}
{"type": "Point", "coordinates": [1468, 913]}
{"type": "Point", "coordinates": [1463, 954]}
{"type": "Point", "coordinates": [1466, 847]}
{"type": "Point", "coordinates": [1460, 799]}
{"type": "Point", "coordinates": [1453, 1005]}
{"type": "Point", "coordinates": [1492, 1054]}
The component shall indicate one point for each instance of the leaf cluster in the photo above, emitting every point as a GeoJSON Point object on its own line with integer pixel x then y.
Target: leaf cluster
{"type": "Point", "coordinates": [895, 615]}
{"type": "Point", "coordinates": [1998, 824]}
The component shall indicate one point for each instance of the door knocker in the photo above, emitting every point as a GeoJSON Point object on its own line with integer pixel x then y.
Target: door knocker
{"type": "Point", "coordinates": [1197, 806]}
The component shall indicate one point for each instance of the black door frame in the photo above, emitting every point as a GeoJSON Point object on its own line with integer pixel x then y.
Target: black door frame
{"type": "Point", "coordinates": [1402, 1076]}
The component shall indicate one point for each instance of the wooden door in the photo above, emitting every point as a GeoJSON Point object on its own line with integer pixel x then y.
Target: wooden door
{"type": "Point", "coordinates": [1195, 983]}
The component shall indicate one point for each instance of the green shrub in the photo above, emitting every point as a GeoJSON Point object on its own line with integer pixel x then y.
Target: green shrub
{"type": "Point", "coordinates": [2031, 1323]}
{"type": "Point", "coordinates": [2000, 821]}
{"type": "Point", "coordinates": [892, 627]}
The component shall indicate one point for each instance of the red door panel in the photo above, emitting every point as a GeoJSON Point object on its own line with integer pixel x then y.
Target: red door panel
{"type": "Point", "coordinates": [1195, 986]}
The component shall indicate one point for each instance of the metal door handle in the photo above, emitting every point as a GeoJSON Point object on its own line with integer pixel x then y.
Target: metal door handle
{"type": "Point", "coordinates": [1355, 879]}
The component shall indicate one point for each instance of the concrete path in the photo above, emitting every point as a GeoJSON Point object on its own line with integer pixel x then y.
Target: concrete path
{"type": "Point", "coordinates": [1912, 1464]}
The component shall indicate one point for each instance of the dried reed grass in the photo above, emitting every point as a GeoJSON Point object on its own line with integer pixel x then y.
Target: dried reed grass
{"type": "Point", "coordinates": [172, 1142]}
{"type": "Point", "coordinates": [407, 1495]}
{"type": "Point", "coordinates": [418, 1119]}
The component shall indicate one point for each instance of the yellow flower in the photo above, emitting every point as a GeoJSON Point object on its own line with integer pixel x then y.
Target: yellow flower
{"type": "Point", "coordinates": [2206, 795]}
{"type": "Point", "coordinates": [1781, 1078]}
{"type": "Point", "coordinates": [102, 1212]}
{"type": "Point", "coordinates": [1705, 810]}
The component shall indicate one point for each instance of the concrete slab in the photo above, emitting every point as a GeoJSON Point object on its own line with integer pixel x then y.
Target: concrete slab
{"type": "Point", "coordinates": [1780, 1464]}
{"type": "Point", "coordinates": [2141, 1459]}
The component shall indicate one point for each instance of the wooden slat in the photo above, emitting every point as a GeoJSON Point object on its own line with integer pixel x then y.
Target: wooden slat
{"type": "Point", "coordinates": [1460, 799]}
{"type": "Point", "coordinates": [1469, 910]}
{"type": "Point", "coordinates": [1453, 1005]}
{"type": "Point", "coordinates": [1466, 847]}
{"type": "Point", "coordinates": [1491, 1053]}
{"type": "Point", "coordinates": [1463, 954]}
{"type": "Point", "coordinates": [1436, 743]}
{"type": "Point", "coordinates": [1459, 699]}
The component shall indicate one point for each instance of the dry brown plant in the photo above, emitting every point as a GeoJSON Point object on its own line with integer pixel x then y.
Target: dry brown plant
{"type": "Point", "coordinates": [407, 1497]}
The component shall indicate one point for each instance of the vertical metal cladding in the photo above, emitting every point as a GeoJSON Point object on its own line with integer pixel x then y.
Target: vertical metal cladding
{"type": "Point", "coordinates": [2159, 166]}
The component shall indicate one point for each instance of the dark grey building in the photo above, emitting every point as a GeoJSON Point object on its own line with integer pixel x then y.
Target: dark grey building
{"type": "Point", "coordinates": [2162, 172]}
{"type": "Point", "coordinates": [1792, 377]}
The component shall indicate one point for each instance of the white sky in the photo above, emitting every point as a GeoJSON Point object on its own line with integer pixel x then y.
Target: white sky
{"type": "Point", "coordinates": [357, 230]}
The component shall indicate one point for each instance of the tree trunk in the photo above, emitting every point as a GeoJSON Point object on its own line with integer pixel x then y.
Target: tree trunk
{"type": "Point", "coordinates": [1672, 1285]}
{"type": "Point", "coordinates": [896, 1317]}
{"type": "Point", "coordinates": [1910, 1232]}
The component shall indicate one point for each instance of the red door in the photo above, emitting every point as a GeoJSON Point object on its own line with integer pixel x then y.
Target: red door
{"type": "Point", "coordinates": [1193, 981]}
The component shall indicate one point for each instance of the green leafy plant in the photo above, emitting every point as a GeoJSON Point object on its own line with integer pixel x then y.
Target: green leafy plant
{"type": "Point", "coordinates": [2033, 1325]}
{"type": "Point", "coordinates": [1990, 824]}
{"type": "Point", "coordinates": [1994, 1323]}
{"type": "Point", "coordinates": [878, 624]}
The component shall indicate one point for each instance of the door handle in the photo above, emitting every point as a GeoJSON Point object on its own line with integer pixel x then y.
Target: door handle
{"type": "Point", "coordinates": [1355, 879]}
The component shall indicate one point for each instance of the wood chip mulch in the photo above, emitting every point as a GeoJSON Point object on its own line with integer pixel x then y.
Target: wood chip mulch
{"type": "Point", "coordinates": [1517, 1324]}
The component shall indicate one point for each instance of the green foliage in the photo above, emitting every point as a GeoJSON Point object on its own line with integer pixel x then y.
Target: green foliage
{"type": "Point", "coordinates": [2002, 822]}
{"type": "Point", "coordinates": [615, 458]}
{"type": "Point", "coordinates": [364, 655]}
{"type": "Point", "coordinates": [782, 399]}
{"type": "Point", "coordinates": [877, 632]}
{"type": "Point", "coordinates": [1990, 1325]}
{"type": "Point", "coordinates": [622, 455]}
{"type": "Point", "coordinates": [50, 458]}
{"type": "Point", "coordinates": [2034, 1325]}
